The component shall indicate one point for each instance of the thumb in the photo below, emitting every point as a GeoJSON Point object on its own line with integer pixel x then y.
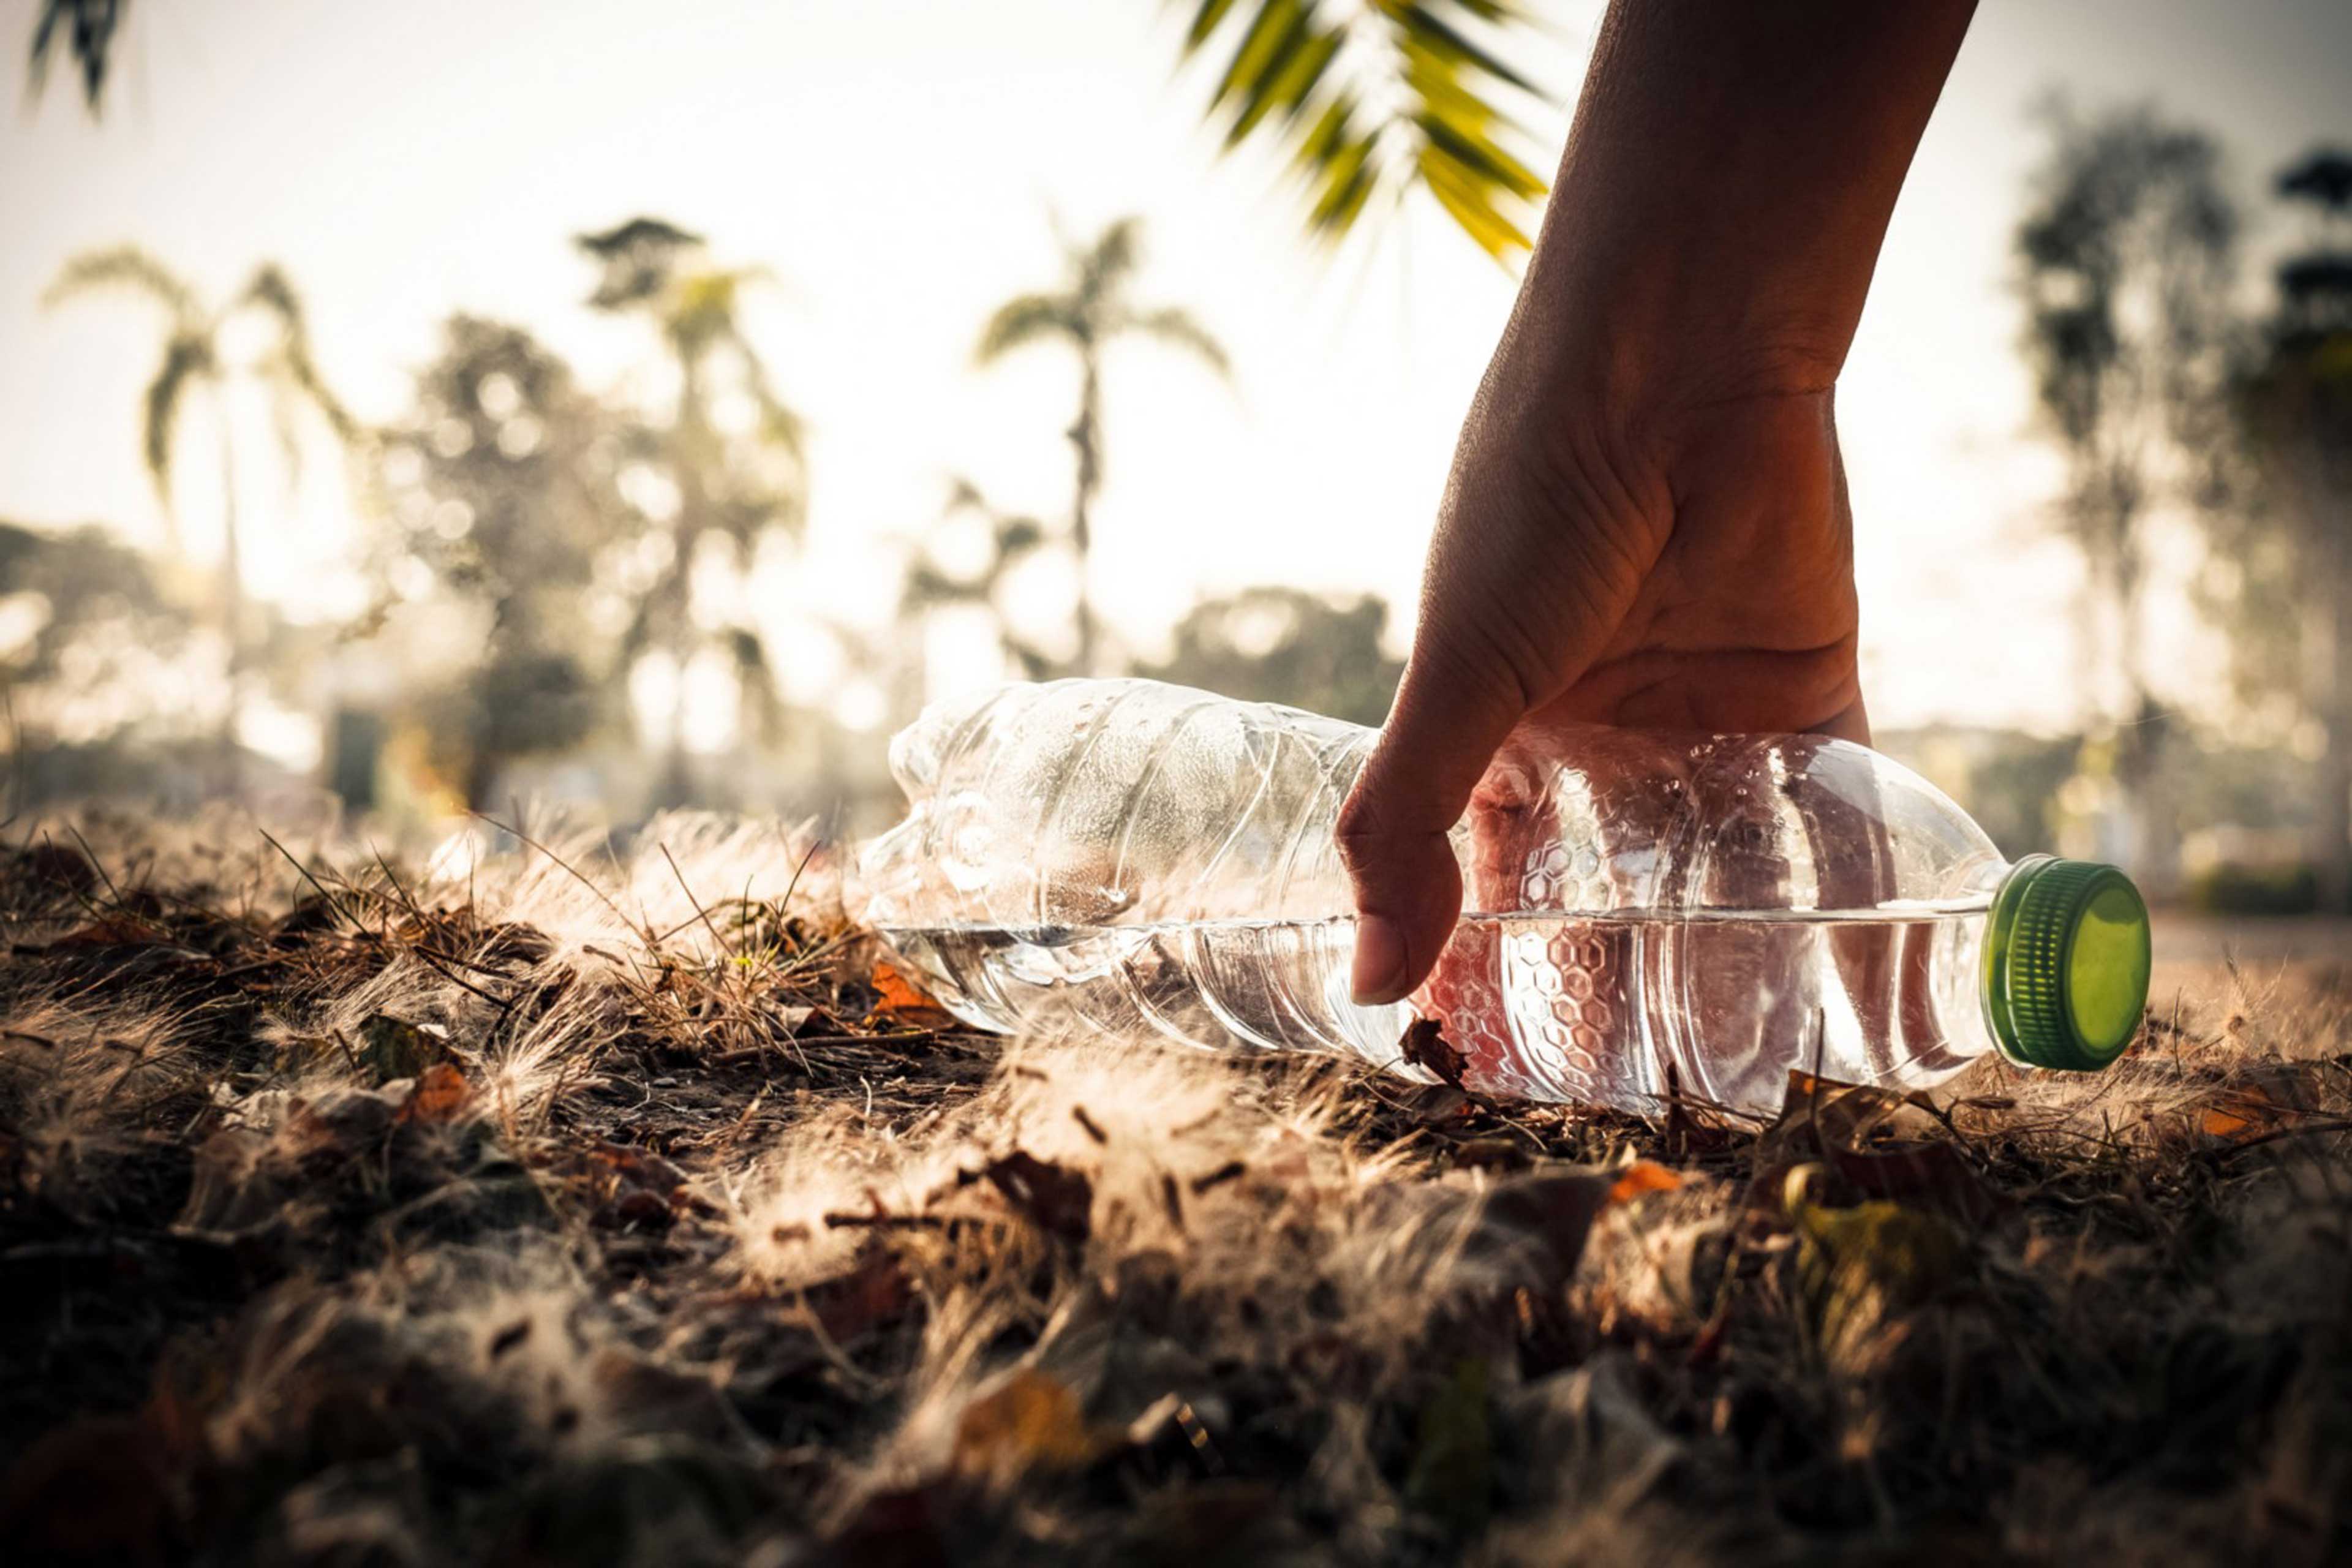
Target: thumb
{"type": "Point", "coordinates": [1441, 732]}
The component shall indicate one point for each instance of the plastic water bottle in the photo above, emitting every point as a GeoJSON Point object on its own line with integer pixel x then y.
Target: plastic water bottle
{"type": "Point", "coordinates": [1641, 912]}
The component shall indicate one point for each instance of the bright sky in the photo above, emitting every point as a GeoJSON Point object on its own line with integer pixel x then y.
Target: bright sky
{"type": "Point", "coordinates": [898, 163]}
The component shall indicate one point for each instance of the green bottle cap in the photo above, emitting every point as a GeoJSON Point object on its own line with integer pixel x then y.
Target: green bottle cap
{"type": "Point", "coordinates": [2065, 964]}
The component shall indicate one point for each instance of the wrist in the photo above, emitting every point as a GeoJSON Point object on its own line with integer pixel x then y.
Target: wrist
{"type": "Point", "coordinates": [1651, 327]}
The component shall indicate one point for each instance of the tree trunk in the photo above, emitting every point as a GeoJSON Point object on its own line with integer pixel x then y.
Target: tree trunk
{"type": "Point", "coordinates": [232, 590]}
{"type": "Point", "coordinates": [2331, 850]}
{"type": "Point", "coordinates": [1086, 437]}
{"type": "Point", "coordinates": [2143, 768]}
{"type": "Point", "coordinates": [2153, 842]}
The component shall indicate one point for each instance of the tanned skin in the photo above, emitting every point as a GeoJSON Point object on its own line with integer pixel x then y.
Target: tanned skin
{"type": "Point", "coordinates": [1646, 521]}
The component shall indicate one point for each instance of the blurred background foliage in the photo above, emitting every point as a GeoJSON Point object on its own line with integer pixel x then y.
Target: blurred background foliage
{"type": "Point", "coordinates": [562, 574]}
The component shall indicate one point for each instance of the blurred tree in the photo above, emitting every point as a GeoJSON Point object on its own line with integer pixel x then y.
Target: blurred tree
{"type": "Point", "coordinates": [717, 477]}
{"type": "Point", "coordinates": [2125, 256]}
{"type": "Point", "coordinates": [193, 339]}
{"type": "Point", "coordinates": [2009, 781]}
{"type": "Point", "coordinates": [503, 484]}
{"type": "Point", "coordinates": [1373, 96]}
{"type": "Point", "coordinates": [931, 584]}
{"type": "Point", "coordinates": [1090, 311]}
{"type": "Point", "coordinates": [2288, 584]}
{"type": "Point", "coordinates": [1280, 644]}
{"type": "Point", "coordinates": [85, 631]}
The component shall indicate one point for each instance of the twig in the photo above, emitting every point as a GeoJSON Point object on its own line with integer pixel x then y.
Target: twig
{"type": "Point", "coordinates": [602, 897]}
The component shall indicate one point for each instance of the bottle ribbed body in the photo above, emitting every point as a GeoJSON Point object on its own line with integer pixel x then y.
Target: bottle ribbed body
{"type": "Point", "coordinates": [1639, 909]}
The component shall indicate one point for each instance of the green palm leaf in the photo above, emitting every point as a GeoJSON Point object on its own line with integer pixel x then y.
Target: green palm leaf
{"type": "Point", "coordinates": [88, 29]}
{"type": "Point", "coordinates": [126, 267]}
{"type": "Point", "coordinates": [1180, 327]}
{"type": "Point", "coordinates": [1372, 95]}
{"type": "Point", "coordinates": [1024, 319]}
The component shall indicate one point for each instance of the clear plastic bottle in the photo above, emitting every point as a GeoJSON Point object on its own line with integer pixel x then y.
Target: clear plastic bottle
{"type": "Point", "coordinates": [1640, 909]}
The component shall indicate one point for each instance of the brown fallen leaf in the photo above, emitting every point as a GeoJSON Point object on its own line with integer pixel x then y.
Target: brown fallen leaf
{"type": "Point", "coordinates": [874, 1294]}
{"type": "Point", "coordinates": [640, 1188]}
{"type": "Point", "coordinates": [1426, 1047]}
{"type": "Point", "coordinates": [1933, 1175]}
{"type": "Point", "coordinates": [441, 1096]}
{"type": "Point", "coordinates": [1491, 1155]}
{"type": "Point", "coordinates": [1027, 1420]}
{"type": "Point", "coordinates": [108, 930]}
{"type": "Point", "coordinates": [1056, 1200]}
{"type": "Point", "coordinates": [1544, 1219]}
{"type": "Point", "coordinates": [1884, 1143]}
{"type": "Point", "coordinates": [393, 1047]}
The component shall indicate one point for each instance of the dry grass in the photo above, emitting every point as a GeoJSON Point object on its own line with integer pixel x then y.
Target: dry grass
{"type": "Point", "coordinates": [531, 1204]}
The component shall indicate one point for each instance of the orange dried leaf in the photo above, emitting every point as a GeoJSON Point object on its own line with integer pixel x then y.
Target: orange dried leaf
{"type": "Point", "coordinates": [441, 1095]}
{"type": "Point", "coordinates": [1030, 1420]}
{"type": "Point", "coordinates": [2242, 1113]}
{"type": "Point", "coordinates": [1642, 1176]}
{"type": "Point", "coordinates": [899, 1000]}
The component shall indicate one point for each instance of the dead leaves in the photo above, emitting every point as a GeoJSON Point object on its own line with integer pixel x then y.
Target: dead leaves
{"type": "Point", "coordinates": [1426, 1047]}
{"type": "Point", "coordinates": [1027, 1420]}
{"type": "Point", "coordinates": [636, 1188]}
{"type": "Point", "coordinates": [391, 1047]}
{"type": "Point", "coordinates": [874, 1293]}
{"type": "Point", "coordinates": [1879, 1143]}
{"type": "Point", "coordinates": [2261, 1105]}
{"type": "Point", "coordinates": [442, 1095]}
{"type": "Point", "coordinates": [1542, 1220]}
{"type": "Point", "coordinates": [901, 1003]}
{"type": "Point", "coordinates": [1056, 1199]}
{"type": "Point", "coordinates": [1862, 1267]}
{"type": "Point", "coordinates": [1640, 1177]}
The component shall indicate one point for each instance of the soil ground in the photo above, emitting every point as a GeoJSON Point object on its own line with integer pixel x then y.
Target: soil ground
{"type": "Point", "coordinates": [534, 1202]}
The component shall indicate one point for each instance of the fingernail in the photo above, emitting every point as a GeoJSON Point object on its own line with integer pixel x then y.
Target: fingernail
{"type": "Point", "coordinates": [1378, 977]}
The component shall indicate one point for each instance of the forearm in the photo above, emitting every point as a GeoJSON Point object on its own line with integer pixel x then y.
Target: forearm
{"type": "Point", "coordinates": [1726, 188]}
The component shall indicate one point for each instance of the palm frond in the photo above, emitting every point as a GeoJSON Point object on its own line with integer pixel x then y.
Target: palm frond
{"type": "Point", "coordinates": [292, 368]}
{"type": "Point", "coordinates": [640, 259]}
{"type": "Point", "coordinates": [126, 267]}
{"type": "Point", "coordinates": [1105, 266]}
{"type": "Point", "coordinates": [1025, 320]}
{"type": "Point", "coordinates": [90, 38]}
{"type": "Point", "coordinates": [1180, 327]}
{"type": "Point", "coordinates": [186, 357]}
{"type": "Point", "coordinates": [1389, 94]}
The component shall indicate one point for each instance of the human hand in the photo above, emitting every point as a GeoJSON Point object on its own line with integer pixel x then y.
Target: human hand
{"type": "Point", "coordinates": [1646, 522]}
{"type": "Point", "coordinates": [1678, 561]}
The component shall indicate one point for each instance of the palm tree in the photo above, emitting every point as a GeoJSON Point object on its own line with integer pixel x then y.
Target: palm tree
{"type": "Point", "coordinates": [192, 358]}
{"type": "Point", "coordinates": [734, 480]}
{"type": "Point", "coordinates": [1091, 310]}
{"type": "Point", "coordinates": [1012, 539]}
